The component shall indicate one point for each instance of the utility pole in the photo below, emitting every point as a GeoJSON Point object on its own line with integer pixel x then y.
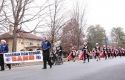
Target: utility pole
{"type": "Point", "coordinates": [105, 40]}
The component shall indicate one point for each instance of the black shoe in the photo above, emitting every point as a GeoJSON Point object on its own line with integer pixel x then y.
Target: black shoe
{"type": "Point", "coordinates": [84, 62]}
{"type": "Point", "coordinates": [9, 68]}
{"type": "Point", "coordinates": [43, 68]}
{"type": "Point", "coordinates": [97, 60]}
{"type": "Point", "coordinates": [51, 66]}
{"type": "Point", "coordinates": [2, 70]}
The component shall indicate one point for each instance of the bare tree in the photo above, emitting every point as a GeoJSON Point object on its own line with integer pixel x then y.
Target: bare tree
{"type": "Point", "coordinates": [1, 5]}
{"type": "Point", "coordinates": [2, 18]}
{"type": "Point", "coordinates": [57, 19]}
{"type": "Point", "coordinates": [70, 35]}
{"type": "Point", "coordinates": [78, 14]}
{"type": "Point", "coordinates": [20, 12]}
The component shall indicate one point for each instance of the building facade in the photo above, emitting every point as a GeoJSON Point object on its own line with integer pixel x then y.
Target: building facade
{"type": "Point", "coordinates": [25, 41]}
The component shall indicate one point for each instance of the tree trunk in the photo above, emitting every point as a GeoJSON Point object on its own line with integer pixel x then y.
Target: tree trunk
{"type": "Point", "coordinates": [52, 41]}
{"type": "Point", "coordinates": [14, 47]}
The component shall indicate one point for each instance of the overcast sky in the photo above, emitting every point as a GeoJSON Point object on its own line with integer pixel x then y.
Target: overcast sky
{"type": "Point", "coordinates": [107, 13]}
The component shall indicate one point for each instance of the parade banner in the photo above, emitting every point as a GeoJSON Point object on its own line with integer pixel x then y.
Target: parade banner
{"type": "Point", "coordinates": [24, 56]}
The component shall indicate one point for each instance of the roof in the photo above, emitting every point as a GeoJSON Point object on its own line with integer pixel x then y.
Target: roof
{"type": "Point", "coordinates": [23, 35]}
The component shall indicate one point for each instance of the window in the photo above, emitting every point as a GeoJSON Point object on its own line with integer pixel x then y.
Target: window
{"type": "Point", "coordinates": [38, 43]}
{"type": "Point", "coordinates": [21, 41]}
{"type": "Point", "coordinates": [30, 42]}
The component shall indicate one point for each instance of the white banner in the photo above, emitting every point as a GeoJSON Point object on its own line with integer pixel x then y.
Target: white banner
{"type": "Point", "coordinates": [23, 56]}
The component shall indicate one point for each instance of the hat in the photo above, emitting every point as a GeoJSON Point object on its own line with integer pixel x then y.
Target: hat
{"type": "Point", "coordinates": [85, 43]}
{"type": "Point", "coordinates": [3, 40]}
{"type": "Point", "coordinates": [97, 43]}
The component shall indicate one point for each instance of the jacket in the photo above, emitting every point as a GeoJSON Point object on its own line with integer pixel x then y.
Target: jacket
{"type": "Point", "coordinates": [4, 48]}
{"type": "Point", "coordinates": [46, 45]}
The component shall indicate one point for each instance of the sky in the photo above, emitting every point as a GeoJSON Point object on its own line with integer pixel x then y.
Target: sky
{"type": "Point", "coordinates": [107, 13]}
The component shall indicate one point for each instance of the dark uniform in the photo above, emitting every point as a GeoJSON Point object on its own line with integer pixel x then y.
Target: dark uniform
{"type": "Point", "coordinates": [122, 52]}
{"type": "Point", "coordinates": [115, 53]}
{"type": "Point", "coordinates": [110, 52]}
{"type": "Point", "coordinates": [119, 52]}
{"type": "Point", "coordinates": [3, 49]}
{"type": "Point", "coordinates": [97, 50]}
{"type": "Point", "coordinates": [86, 53]}
{"type": "Point", "coordinates": [105, 52]}
{"type": "Point", "coordinates": [46, 45]}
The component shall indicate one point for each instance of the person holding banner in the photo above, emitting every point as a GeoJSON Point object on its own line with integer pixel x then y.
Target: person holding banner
{"type": "Point", "coordinates": [46, 46]}
{"type": "Point", "coordinates": [3, 49]}
{"type": "Point", "coordinates": [85, 52]}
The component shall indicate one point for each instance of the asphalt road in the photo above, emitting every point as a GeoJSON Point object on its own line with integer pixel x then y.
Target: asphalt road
{"type": "Point", "coordinates": [111, 69]}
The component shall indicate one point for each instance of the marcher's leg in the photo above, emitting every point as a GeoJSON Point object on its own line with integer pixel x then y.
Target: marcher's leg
{"type": "Point", "coordinates": [105, 56]}
{"type": "Point", "coordinates": [2, 67]}
{"type": "Point", "coordinates": [9, 66]}
{"type": "Point", "coordinates": [97, 56]}
{"type": "Point", "coordinates": [115, 55]}
{"type": "Point", "coordinates": [2, 62]}
{"type": "Point", "coordinates": [88, 57]}
{"type": "Point", "coordinates": [49, 61]}
{"type": "Point", "coordinates": [73, 58]}
{"type": "Point", "coordinates": [84, 58]}
{"type": "Point", "coordinates": [44, 62]}
{"type": "Point", "coordinates": [108, 55]}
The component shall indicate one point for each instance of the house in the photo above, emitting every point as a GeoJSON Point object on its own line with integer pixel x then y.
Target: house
{"type": "Point", "coordinates": [25, 41]}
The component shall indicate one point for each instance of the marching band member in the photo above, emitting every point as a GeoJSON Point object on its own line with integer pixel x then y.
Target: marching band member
{"type": "Point", "coordinates": [108, 51]}
{"type": "Point", "coordinates": [73, 53]}
{"type": "Point", "coordinates": [111, 52]}
{"type": "Point", "coordinates": [115, 52]}
{"type": "Point", "coordinates": [122, 51]}
{"type": "Point", "coordinates": [119, 51]}
{"type": "Point", "coordinates": [104, 51]}
{"type": "Point", "coordinates": [97, 50]}
{"type": "Point", "coordinates": [85, 52]}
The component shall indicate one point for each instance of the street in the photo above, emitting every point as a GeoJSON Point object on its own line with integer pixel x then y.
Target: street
{"type": "Point", "coordinates": [110, 69]}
